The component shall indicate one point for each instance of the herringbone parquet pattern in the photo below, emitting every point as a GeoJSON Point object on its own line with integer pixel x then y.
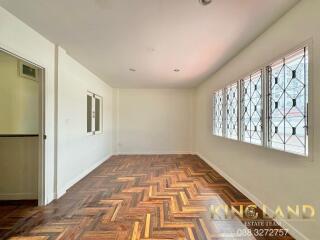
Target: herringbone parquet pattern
{"type": "Point", "coordinates": [134, 197]}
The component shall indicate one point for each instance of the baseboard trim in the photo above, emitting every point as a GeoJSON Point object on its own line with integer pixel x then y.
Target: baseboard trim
{"type": "Point", "coordinates": [285, 224]}
{"type": "Point", "coordinates": [63, 190]}
{"type": "Point", "coordinates": [19, 196]}
{"type": "Point", "coordinates": [154, 153]}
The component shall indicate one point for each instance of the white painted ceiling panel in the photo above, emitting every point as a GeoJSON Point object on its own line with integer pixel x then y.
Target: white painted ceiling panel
{"type": "Point", "coordinates": [153, 37]}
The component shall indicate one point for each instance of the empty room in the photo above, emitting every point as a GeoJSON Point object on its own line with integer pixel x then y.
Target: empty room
{"type": "Point", "coordinates": [159, 119]}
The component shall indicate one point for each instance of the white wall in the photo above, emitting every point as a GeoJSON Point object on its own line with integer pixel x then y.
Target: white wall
{"type": "Point", "coordinates": [18, 38]}
{"type": "Point", "coordinates": [76, 153]}
{"type": "Point", "coordinates": [79, 153]}
{"type": "Point", "coordinates": [154, 121]}
{"type": "Point", "coordinates": [269, 176]}
{"type": "Point", "coordinates": [19, 99]}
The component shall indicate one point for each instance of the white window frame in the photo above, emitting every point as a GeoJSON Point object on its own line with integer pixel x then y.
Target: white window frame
{"type": "Point", "coordinates": [236, 84]}
{"type": "Point", "coordinates": [93, 114]}
{"type": "Point", "coordinates": [242, 107]}
{"type": "Point", "coordinates": [222, 115]}
{"type": "Point", "coordinates": [308, 150]}
{"type": "Point", "coordinates": [265, 104]}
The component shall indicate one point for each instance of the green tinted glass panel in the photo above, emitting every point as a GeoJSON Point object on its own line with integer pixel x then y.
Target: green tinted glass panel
{"type": "Point", "coordinates": [97, 114]}
{"type": "Point", "coordinates": [89, 113]}
{"type": "Point", "coordinates": [29, 71]}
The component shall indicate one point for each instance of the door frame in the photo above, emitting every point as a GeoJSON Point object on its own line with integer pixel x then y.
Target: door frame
{"type": "Point", "coordinates": [42, 136]}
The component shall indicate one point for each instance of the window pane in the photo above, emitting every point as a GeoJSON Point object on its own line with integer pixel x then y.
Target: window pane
{"type": "Point", "coordinates": [232, 111]}
{"type": "Point", "coordinates": [251, 108]}
{"type": "Point", "coordinates": [89, 113]}
{"type": "Point", "coordinates": [288, 81]}
{"type": "Point", "coordinates": [29, 71]}
{"type": "Point", "coordinates": [97, 114]}
{"type": "Point", "coordinates": [218, 113]}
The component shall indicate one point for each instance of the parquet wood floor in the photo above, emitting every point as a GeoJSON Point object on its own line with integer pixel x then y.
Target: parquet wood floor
{"type": "Point", "coordinates": [134, 197]}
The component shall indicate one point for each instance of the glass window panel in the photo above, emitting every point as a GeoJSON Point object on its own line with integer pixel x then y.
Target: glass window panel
{"type": "Point", "coordinates": [251, 108]}
{"type": "Point", "coordinates": [218, 102]}
{"type": "Point", "coordinates": [232, 111]}
{"type": "Point", "coordinates": [29, 71]}
{"type": "Point", "coordinates": [97, 114]}
{"type": "Point", "coordinates": [89, 113]}
{"type": "Point", "coordinates": [288, 99]}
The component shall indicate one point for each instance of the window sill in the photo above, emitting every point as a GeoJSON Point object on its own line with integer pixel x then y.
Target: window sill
{"type": "Point", "coordinates": [292, 155]}
{"type": "Point", "coordinates": [94, 134]}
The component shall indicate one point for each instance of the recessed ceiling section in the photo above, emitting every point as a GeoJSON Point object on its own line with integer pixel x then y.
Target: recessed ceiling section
{"type": "Point", "coordinates": [111, 36]}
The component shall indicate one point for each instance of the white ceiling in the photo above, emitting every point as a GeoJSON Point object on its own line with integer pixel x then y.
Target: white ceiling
{"type": "Point", "coordinates": [154, 37]}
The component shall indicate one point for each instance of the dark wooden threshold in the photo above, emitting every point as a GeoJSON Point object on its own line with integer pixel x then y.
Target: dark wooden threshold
{"type": "Point", "coordinates": [18, 135]}
{"type": "Point", "coordinates": [19, 203]}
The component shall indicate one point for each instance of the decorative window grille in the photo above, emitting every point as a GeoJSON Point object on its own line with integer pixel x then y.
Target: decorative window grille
{"type": "Point", "coordinates": [288, 103]}
{"type": "Point", "coordinates": [218, 103]}
{"type": "Point", "coordinates": [232, 111]}
{"type": "Point", "coordinates": [273, 106]}
{"type": "Point", "coordinates": [251, 109]}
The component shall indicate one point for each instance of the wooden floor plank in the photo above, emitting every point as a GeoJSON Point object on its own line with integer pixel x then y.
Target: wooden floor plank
{"type": "Point", "coordinates": [133, 197]}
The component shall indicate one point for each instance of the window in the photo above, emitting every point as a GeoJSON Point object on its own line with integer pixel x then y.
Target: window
{"type": "Point", "coordinates": [218, 102]}
{"type": "Point", "coordinates": [94, 113]}
{"type": "Point", "coordinates": [27, 70]}
{"type": "Point", "coordinates": [89, 112]}
{"type": "Point", "coordinates": [97, 114]}
{"type": "Point", "coordinates": [270, 108]}
{"type": "Point", "coordinates": [288, 103]}
{"type": "Point", "coordinates": [232, 111]}
{"type": "Point", "coordinates": [251, 109]}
